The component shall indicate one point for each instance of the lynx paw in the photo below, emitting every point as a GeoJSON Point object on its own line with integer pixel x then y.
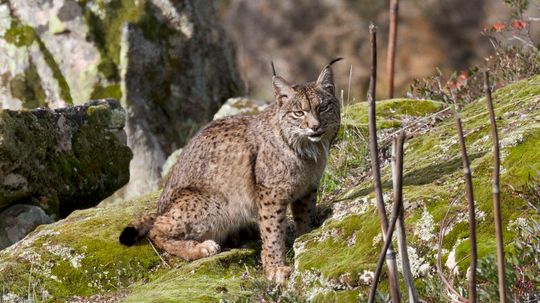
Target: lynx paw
{"type": "Point", "coordinates": [209, 248]}
{"type": "Point", "coordinates": [278, 274]}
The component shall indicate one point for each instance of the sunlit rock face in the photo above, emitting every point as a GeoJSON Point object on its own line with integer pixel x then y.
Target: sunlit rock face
{"type": "Point", "coordinates": [168, 62]}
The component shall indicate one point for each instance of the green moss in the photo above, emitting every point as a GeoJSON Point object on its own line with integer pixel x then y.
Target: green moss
{"type": "Point", "coordinates": [109, 70]}
{"type": "Point", "coordinates": [27, 88]}
{"type": "Point", "coordinates": [20, 35]}
{"type": "Point", "coordinates": [102, 92]}
{"type": "Point", "coordinates": [80, 255]}
{"type": "Point", "coordinates": [333, 256]}
{"type": "Point", "coordinates": [389, 112]}
{"type": "Point", "coordinates": [206, 280]}
{"type": "Point", "coordinates": [337, 297]}
{"type": "Point", "coordinates": [23, 36]}
{"type": "Point", "coordinates": [106, 30]}
{"type": "Point", "coordinates": [72, 175]}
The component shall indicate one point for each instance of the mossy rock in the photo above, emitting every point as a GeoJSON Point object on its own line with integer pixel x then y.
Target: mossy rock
{"type": "Point", "coordinates": [63, 159]}
{"type": "Point", "coordinates": [390, 113]}
{"type": "Point", "coordinates": [80, 256]}
{"type": "Point", "coordinates": [331, 262]}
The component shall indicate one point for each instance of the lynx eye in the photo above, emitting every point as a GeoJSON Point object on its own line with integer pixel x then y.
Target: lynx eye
{"type": "Point", "coordinates": [298, 114]}
{"type": "Point", "coordinates": [323, 108]}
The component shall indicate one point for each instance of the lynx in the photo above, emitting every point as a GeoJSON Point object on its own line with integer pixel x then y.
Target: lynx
{"type": "Point", "coordinates": [243, 168]}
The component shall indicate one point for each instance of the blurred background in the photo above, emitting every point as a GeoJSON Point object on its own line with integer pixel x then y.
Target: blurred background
{"type": "Point", "coordinates": [302, 36]}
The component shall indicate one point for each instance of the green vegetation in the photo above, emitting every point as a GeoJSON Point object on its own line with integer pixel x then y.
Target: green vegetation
{"type": "Point", "coordinates": [433, 178]}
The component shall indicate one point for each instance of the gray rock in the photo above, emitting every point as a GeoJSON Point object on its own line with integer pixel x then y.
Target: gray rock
{"type": "Point", "coordinates": [241, 106]}
{"type": "Point", "coordinates": [63, 159]}
{"type": "Point", "coordinates": [19, 220]}
{"type": "Point", "coordinates": [169, 63]}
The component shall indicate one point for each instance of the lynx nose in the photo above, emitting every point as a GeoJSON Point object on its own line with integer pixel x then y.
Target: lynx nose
{"type": "Point", "coordinates": [314, 124]}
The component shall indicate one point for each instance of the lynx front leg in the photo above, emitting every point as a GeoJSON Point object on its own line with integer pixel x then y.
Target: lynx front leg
{"type": "Point", "coordinates": [304, 211]}
{"type": "Point", "coordinates": [272, 212]}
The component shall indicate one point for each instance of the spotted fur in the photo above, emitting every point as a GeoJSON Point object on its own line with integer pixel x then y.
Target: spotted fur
{"type": "Point", "coordinates": [245, 168]}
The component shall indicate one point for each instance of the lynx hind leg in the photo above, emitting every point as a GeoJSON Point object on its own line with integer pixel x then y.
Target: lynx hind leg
{"type": "Point", "coordinates": [188, 228]}
{"type": "Point", "coordinates": [188, 250]}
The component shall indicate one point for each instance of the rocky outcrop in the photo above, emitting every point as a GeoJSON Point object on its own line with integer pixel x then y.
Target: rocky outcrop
{"type": "Point", "coordinates": [79, 259]}
{"type": "Point", "coordinates": [64, 159]}
{"type": "Point", "coordinates": [168, 62]}
{"type": "Point", "coordinates": [19, 220]}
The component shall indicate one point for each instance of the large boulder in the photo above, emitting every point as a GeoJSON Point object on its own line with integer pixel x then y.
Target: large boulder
{"type": "Point", "coordinates": [168, 62]}
{"type": "Point", "coordinates": [63, 159]}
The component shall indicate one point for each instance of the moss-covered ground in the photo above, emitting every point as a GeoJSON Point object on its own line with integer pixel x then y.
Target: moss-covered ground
{"type": "Point", "coordinates": [330, 261]}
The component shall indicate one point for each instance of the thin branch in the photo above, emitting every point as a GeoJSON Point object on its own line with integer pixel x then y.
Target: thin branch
{"type": "Point", "coordinates": [496, 191]}
{"type": "Point", "coordinates": [374, 154]}
{"type": "Point", "coordinates": [397, 177]}
{"type": "Point", "coordinates": [387, 242]}
{"type": "Point", "coordinates": [470, 199]}
{"type": "Point", "coordinates": [349, 88]}
{"type": "Point", "coordinates": [158, 254]}
{"type": "Point", "coordinates": [391, 54]}
{"type": "Point", "coordinates": [447, 284]}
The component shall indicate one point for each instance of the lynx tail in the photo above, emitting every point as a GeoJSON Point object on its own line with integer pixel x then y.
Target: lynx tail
{"type": "Point", "coordinates": [137, 230]}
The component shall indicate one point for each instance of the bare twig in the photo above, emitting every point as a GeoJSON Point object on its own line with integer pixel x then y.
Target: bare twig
{"type": "Point", "coordinates": [374, 153]}
{"type": "Point", "coordinates": [496, 192]}
{"type": "Point", "coordinates": [159, 255]}
{"type": "Point", "coordinates": [397, 175]}
{"type": "Point", "coordinates": [470, 199]}
{"type": "Point", "coordinates": [411, 127]}
{"type": "Point", "coordinates": [447, 284]}
{"type": "Point", "coordinates": [391, 55]}
{"type": "Point", "coordinates": [349, 88]}
{"type": "Point", "coordinates": [387, 243]}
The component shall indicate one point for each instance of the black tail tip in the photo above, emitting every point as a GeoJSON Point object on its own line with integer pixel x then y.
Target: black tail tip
{"type": "Point", "coordinates": [129, 236]}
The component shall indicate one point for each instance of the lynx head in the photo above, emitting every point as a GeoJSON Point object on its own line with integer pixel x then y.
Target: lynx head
{"type": "Point", "coordinates": [308, 113]}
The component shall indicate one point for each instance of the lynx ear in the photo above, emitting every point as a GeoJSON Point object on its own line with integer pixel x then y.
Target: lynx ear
{"type": "Point", "coordinates": [282, 90]}
{"type": "Point", "coordinates": [326, 77]}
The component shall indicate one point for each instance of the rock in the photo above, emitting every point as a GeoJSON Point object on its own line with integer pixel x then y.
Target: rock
{"type": "Point", "coordinates": [169, 63]}
{"type": "Point", "coordinates": [79, 257]}
{"type": "Point", "coordinates": [240, 106]}
{"type": "Point", "coordinates": [63, 159]}
{"type": "Point", "coordinates": [19, 220]}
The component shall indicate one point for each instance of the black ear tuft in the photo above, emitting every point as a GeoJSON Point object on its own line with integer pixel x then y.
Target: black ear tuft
{"type": "Point", "coordinates": [326, 77]}
{"type": "Point", "coordinates": [129, 236]}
